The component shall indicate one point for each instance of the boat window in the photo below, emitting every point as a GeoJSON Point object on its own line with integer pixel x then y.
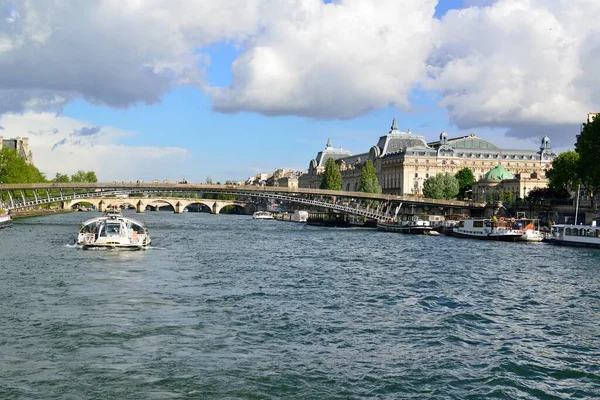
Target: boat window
{"type": "Point", "coordinates": [568, 232]}
{"type": "Point", "coordinates": [113, 229]}
{"type": "Point", "coordinates": [477, 224]}
{"type": "Point", "coordinates": [590, 233]}
{"type": "Point", "coordinates": [461, 224]}
{"type": "Point", "coordinates": [598, 233]}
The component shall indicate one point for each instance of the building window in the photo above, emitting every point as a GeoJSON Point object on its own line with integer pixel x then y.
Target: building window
{"type": "Point", "coordinates": [416, 175]}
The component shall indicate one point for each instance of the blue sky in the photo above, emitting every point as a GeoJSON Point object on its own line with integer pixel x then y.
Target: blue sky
{"type": "Point", "coordinates": [284, 81]}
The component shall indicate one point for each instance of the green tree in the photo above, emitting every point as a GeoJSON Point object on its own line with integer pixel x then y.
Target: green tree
{"type": "Point", "coordinates": [82, 176]}
{"type": "Point", "coordinates": [14, 169]}
{"type": "Point", "coordinates": [332, 177]}
{"type": "Point", "coordinates": [465, 180]}
{"type": "Point", "coordinates": [433, 187]}
{"type": "Point", "coordinates": [501, 196]}
{"type": "Point", "coordinates": [588, 167]}
{"type": "Point", "coordinates": [451, 186]}
{"type": "Point", "coordinates": [509, 197]}
{"type": "Point", "coordinates": [441, 186]}
{"type": "Point", "coordinates": [61, 178]}
{"type": "Point", "coordinates": [564, 174]}
{"type": "Point", "coordinates": [368, 179]}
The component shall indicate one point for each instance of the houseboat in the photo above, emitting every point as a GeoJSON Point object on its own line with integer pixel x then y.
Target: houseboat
{"type": "Point", "coordinates": [487, 229]}
{"type": "Point", "coordinates": [328, 219]}
{"type": "Point", "coordinates": [576, 235]}
{"type": "Point", "coordinates": [406, 223]}
{"type": "Point", "coordinates": [262, 215]}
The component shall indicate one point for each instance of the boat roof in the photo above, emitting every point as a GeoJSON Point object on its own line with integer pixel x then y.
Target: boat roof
{"type": "Point", "coordinates": [107, 218]}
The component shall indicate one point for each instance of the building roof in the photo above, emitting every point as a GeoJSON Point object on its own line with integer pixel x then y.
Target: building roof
{"type": "Point", "coordinates": [498, 173]}
{"type": "Point", "coordinates": [470, 142]}
{"type": "Point", "coordinates": [397, 141]}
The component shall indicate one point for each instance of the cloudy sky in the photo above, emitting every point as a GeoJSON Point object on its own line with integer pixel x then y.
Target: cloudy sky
{"type": "Point", "coordinates": [167, 89]}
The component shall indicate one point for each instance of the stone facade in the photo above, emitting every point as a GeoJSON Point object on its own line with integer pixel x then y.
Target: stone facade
{"type": "Point", "coordinates": [20, 145]}
{"type": "Point", "coordinates": [404, 160]}
{"type": "Point", "coordinates": [500, 180]}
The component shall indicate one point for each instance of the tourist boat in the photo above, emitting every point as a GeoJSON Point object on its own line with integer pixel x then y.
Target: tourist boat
{"type": "Point", "coordinates": [113, 231]}
{"type": "Point", "coordinates": [576, 235]}
{"type": "Point", "coordinates": [5, 219]}
{"type": "Point", "coordinates": [406, 223]}
{"type": "Point", "coordinates": [487, 229]}
{"type": "Point", "coordinates": [262, 215]}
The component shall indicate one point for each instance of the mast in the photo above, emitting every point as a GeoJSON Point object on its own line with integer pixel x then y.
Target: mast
{"type": "Point", "coordinates": [577, 204]}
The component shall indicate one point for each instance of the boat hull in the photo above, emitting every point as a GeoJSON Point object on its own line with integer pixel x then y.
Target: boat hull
{"type": "Point", "coordinates": [570, 243]}
{"type": "Point", "coordinates": [414, 230]}
{"type": "Point", "coordinates": [92, 246]}
{"type": "Point", "coordinates": [5, 223]}
{"type": "Point", "coordinates": [491, 236]}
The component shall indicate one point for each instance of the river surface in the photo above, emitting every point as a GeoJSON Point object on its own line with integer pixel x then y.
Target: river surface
{"type": "Point", "coordinates": [226, 307]}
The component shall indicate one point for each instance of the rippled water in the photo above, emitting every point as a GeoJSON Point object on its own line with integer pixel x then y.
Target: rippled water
{"type": "Point", "coordinates": [227, 307]}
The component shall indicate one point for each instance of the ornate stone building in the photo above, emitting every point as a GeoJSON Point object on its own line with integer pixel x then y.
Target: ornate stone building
{"type": "Point", "coordinates": [20, 145]}
{"type": "Point", "coordinates": [500, 180]}
{"type": "Point", "coordinates": [404, 160]}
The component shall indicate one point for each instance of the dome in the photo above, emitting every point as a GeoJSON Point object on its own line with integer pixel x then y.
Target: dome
{"type": "Point", "coordinates": [443, 135]}
{"type": "Point", "coordinates": [498, 173]}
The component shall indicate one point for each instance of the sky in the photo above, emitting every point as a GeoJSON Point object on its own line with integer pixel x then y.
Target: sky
{"type": "Point", "coordinates": [197, 89]}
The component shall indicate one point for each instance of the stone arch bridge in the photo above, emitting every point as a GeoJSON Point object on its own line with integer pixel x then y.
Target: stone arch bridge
{"type": "Point", "coordinates": [141, 204]}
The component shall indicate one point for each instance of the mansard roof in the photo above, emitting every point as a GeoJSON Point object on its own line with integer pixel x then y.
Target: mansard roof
{"type": "Point", "coordinates": [470, 142]}
{"type": "Point", "coordinates": [397, 141]}
{"type": "Point", "coordinates": [330, 152]}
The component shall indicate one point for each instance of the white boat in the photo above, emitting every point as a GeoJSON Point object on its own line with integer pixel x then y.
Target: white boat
{"type": "Point", "coordinates": [487, 229]}
{"type": "Point", "coordinates": [113, 231]}
{"type": "Point", "coordinates": [5, 219]}
{"type": "Point", "coordinates": [406, 223]}
{"type": "Point", "coordinates": [299, 216]}
{"type": "Point", "coordinates": [530, 229]}
{"type": "Point", "coordinates": [262, 215]}
{"type": "Point", "coordinates": [576, 235]}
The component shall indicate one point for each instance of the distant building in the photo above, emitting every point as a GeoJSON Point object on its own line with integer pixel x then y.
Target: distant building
{"type": "Point", "coordinates": [500, 180]}
{"type": "Point", "coordinates": [20, 145]}
{"type": "Point", "coordinates": [403, 160]}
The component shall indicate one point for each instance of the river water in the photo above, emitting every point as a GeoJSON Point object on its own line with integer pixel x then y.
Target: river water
{"type": "Point", "coordinates": [226, 307]}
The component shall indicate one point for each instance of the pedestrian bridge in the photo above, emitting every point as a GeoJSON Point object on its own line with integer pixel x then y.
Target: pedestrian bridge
{"type": "Point", "coordinates": [370, 205]}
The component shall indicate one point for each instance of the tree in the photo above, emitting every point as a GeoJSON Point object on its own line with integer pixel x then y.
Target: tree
{"type": "Point", "coordinates": [61, 178]}
{"type": "Point", "coordinates": [14, 169]}
{"type": "Point", "coordinates": [588, 167]}
{"type": "Point", "coordinates": [451, 186]}
{"type": "Point", "coordinates": [433, 187]}
{"type": "Point", "coordinates": [83, 176]}
{"type": "Point", "coordinates": [465, 180]}
{"type": "Point", "coordinates": [441, 186]}
{"type": "Point", "coordinates": [368, 179]}
{"type": "Point", "coordinates": [332, 178]}
{"type": "Point", "coordinates": [564, 174]}
{"type": "Point", "coordinates": [509, 197]}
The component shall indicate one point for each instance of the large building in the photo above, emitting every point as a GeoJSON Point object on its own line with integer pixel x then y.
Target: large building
{"type": "Point", "coordinates": [20, 145]}
{"type": "Point", "coordinates": [403, 160]}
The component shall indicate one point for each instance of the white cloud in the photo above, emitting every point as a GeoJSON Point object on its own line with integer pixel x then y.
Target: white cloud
{"type": "Point", "coordinates": [66, 145]}
{"type": "Point", "coordinates": [527, 65]}
{"type": "Point", "coordinates": [335, 60]}
{"type": "Point", "coordinates": [113, 52]}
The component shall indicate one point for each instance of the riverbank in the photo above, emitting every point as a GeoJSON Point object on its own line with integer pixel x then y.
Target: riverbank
{"type": "Point", "coordinates": [38, 213]}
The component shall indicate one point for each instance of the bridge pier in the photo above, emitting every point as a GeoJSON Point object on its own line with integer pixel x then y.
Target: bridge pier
{"type": "Point", "coordinates": [179, 208]}
{"type": "Point", "coordinates": [140, 207]}
{"type": "Point", "coordinates": [102, 206]}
